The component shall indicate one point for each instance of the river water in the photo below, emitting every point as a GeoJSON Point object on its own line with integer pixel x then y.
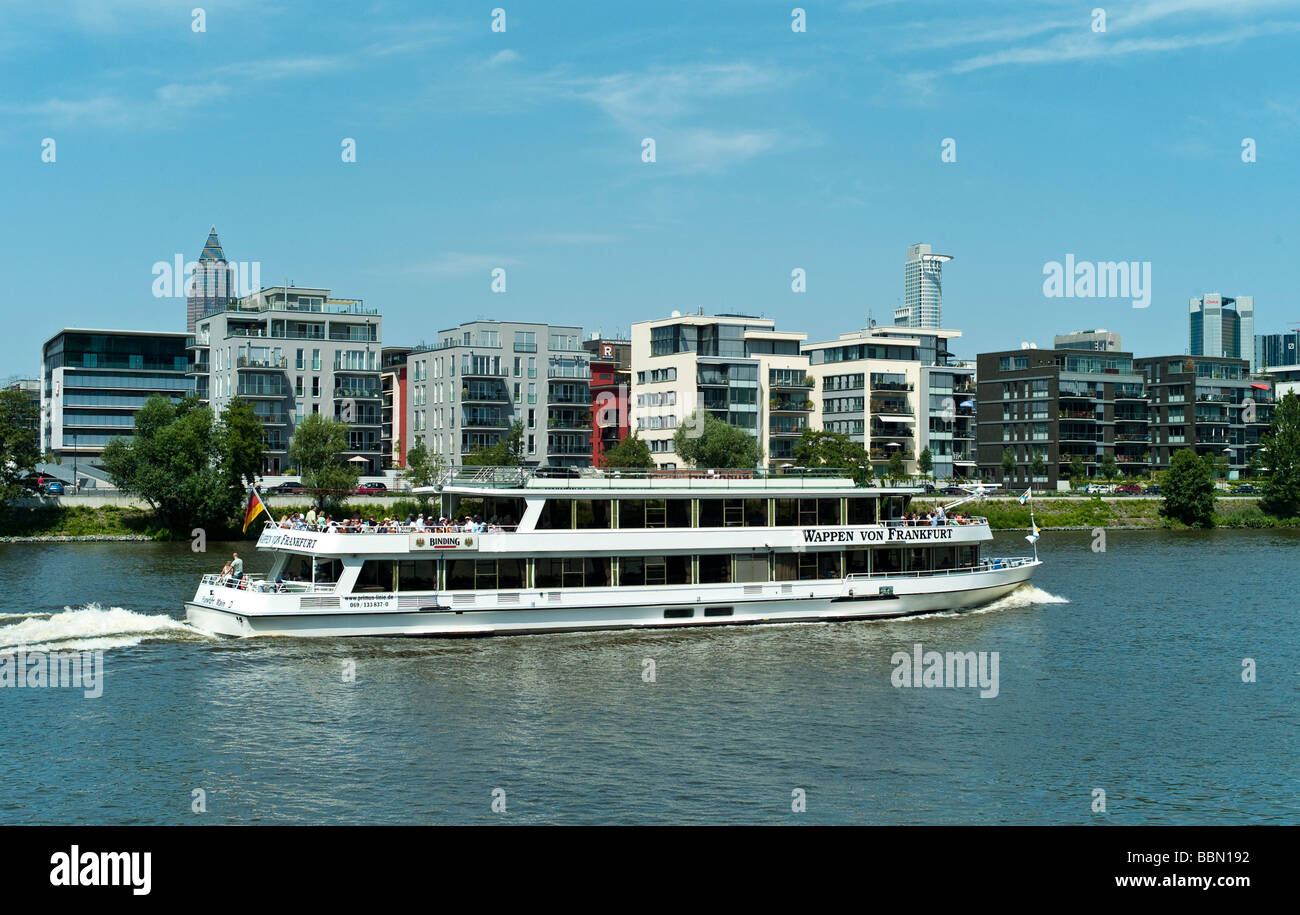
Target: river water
{"type": "Point", "coordinates": [1119, 672]}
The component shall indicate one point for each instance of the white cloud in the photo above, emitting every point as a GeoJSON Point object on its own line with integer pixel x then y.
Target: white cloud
{"type": "Point", "coordinates": [506, 56]}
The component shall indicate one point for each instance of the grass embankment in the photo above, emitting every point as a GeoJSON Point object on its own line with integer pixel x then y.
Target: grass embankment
{"type": "Point", "coordinates": [1058, 514]}
{"type": "Point", "coordinates": [81, 521]}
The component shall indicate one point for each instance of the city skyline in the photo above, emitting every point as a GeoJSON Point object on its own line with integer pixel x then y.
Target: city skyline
{"type": "Point", "coordinates": [821, 151]}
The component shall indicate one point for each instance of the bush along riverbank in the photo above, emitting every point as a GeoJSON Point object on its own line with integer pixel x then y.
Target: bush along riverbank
{"type": "Point", "coordinates": [80, 522]}
{"type": "Point", "coordinates": [1117, 513]}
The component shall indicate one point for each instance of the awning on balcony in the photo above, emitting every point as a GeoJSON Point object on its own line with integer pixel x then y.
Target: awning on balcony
{"type": "Point", "coordinates": [895, 418]}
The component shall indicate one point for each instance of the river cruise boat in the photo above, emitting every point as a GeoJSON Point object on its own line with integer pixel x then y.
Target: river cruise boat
{"type": "Point", "coordinates": [616, 550]}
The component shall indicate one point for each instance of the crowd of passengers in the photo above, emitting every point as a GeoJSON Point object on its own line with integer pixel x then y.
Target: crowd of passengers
{"type": "Point", "coordinates": [937, 518]}
{"type": "Point", "coordinates": [324, 523]}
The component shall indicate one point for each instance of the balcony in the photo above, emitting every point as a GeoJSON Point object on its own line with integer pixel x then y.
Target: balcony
{"type": "Point", "coordinates": [357, 394]}
{"type": "Point", "coordinates": [483, 372]}
{"type": "Point", "coordinates": [244, 362]}
{"type": "Point", "coordinates": [262, 391]}
{"type": "Point", "coordinates": [1133, 438]}
{"type": "Point", "coordinates": [891, 386]}
{"type": "Point", "coordinates": [481, 394]}
{"type": "Point", "coordinates": [273, 419]}
{"type": "Point", "coordinates": [790, 405]}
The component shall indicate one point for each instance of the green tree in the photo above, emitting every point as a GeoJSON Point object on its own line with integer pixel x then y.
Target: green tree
{"type": "Point", "coordinates": [707, 442]}
{"type": "Point", "coordinates": [1039, 466]}
{"type": "Point", "coordinates": [833, 450]}
{"type": "Point", "coordinates": [1108, 466]}
{"type": "Point", "coordinates": [19, 448]}
{"type": "Point", "coordinates": [895, 469]}
{"type": "Point", "coordinates": [925, 461]}
{"type": "Point", "coordinates": [317, 450]}
{"type": "Point", "coordinates": [1078, 473]}
{"type": "Point", "coordinates": [1188, 488]}
{"type": "Point", "coordinates": [243, 444]}
{"type": "Point", "coordinates": [631, 453]}
{"type": "Point", "coordinates": [1281, 455]}
{"type": "Point", "coordinates": [173, 461]}
{"type": "Point", "coordinates": [423, 470]}
{"type": "Point", "coordinates": [507, 452]}
{"type": "Point", "coordinates": [1008, 463]}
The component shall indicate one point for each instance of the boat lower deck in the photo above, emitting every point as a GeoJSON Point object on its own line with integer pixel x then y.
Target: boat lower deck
{"type": "Point", "coordinates": [593, 609]}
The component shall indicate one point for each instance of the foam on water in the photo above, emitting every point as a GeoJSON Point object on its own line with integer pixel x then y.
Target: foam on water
{"type": "Point", "coordinates": [91, 628]}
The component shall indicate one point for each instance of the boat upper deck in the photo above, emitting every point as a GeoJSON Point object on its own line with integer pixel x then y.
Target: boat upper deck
{"type": "Point", "coordinates": [531, 482]}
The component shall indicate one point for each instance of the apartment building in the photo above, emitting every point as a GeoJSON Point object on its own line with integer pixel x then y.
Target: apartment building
{"type": "Point", "coordinates": [392, 386]}
{"type": "Point", "coordinates": [294, 351]}
{"type": "Point", "coordinates": [481, 377]}
{"type": "Point", "coordinates": [897, 389]}
{"type": "Point", "coordinates": [737, 368]}
{"type": "Point", "coordinates": [1211, 405]}
{"type": "Point", "coordinates": [611, 391]}
{"type": "Point", "coordinates": [1060, 405]}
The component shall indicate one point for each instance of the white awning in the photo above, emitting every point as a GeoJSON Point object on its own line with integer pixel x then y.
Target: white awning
{"type": "Point", "coordinates": [895, 418]}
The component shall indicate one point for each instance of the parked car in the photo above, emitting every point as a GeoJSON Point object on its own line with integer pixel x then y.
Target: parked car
{"type": "Point", "coordinates": [372, 489]}
{"type": "Point", "coordinates": [953, 491]}
{"type": "Point", "coordinates": [54, 488]}
{"type": "Point", "coordinates": [1247, 489]}
{"type": "Point", "coordinates": [1130, 489]}
{"type": "Point", "coordinates": [1153, 490]}
{"type": "Point", "coordinates": [562, 473]}
{"type": "Point", "coordinates": [1099, 489]}
{"type": "Point", "coordinates": [288, 486]}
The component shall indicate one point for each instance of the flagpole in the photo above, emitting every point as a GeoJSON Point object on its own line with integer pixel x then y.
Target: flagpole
{"type": "Point", "coordinates": [1033, 525]}
{"type": "Point", "coordinates": [266, 508]}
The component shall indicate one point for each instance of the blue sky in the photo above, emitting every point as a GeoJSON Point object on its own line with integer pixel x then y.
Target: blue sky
{"type": "Point", "coordinates": [775, 150]}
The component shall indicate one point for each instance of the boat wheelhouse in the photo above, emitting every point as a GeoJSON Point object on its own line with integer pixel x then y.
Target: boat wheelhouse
{"type": "Point", "coordinates": [614, 550]}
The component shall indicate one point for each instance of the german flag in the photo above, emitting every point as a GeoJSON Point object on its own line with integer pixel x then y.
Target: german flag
{"type": "Point", "coordinates": [254, 508]}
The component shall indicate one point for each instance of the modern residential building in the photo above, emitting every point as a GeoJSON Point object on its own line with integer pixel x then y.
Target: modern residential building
{"type": "Point", "coordinates": [1273, 351]}
{"type": "Point", "coordinates": [1100, 339]}
{"type": "Point", "coordinates": [294, 351]}
{"type": "Point", "coordinates": [611, 391]}
{"type": "Point", "coordinates": [737, 368]}
{"type": "Point", "coordinates": [213, 284]}
{"type": "Point", "coordinates": [1060, 405]}
{"type": "Point", "coordinates": [922, 289]}
{"type": "Point", "coordinates": [392, 385]}
{"type": "Point", "coordinates": [897, 389]}
{"type": "Point", "coordinates": [1214, 406]}
{"type": "Point", "coordinates": [93, 382]}
{"type": "Point", "coordinates": [481, 377]}
{"type": "Point", "coordinates": [1222, 327]}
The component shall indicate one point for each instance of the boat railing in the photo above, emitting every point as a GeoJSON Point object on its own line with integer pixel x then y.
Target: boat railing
{"type": "Point", "coordinates": [402, 529]}
{"type": "Point", "coordinates": [593, 478]}
{"type": "Point", "coordinates": [259, 583]}
{"type": "Point", "coordinates": [998, 564]}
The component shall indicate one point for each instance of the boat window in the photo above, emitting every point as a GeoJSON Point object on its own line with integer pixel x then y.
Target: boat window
{"type": "Point", "coordinates": [807, 512]}
{"type": "Point", "coordinates": [327, 570]}
{"type": "Point", "coordinates": [862, 511]}
{"type": "Point", "coordinates": [637, 513]}
{"type": "Point", "coordinates": [890, 560]}
{"type": "Point", "coordinates": [297, 568]}
{"type": "Point", "coordinates": [857, 562]}
{"type": "Point", "coordinates": [572, 572]}
{"type": "Point", "coordinates": [945, 557]}
{"type": "Point", "coordinates": [715, 569]}
{"type": "Point", "coordinates": [485, 574]}
{"type": "Point", "coordinates": [918, 559]}
{"type": "Point", "coordinates": [593, 513]}
{"type": "Point", "coordinates": [968, 556]}
{"type": "Point", "coordinates": [417, 575]}
{"type": "Point", "coordinates": [828, 565]}
{"type": "Point", "coordinates": [787, 512]}
{"type": "Point", "coordinates": [828, 511]}
{"type": "Point", "coordinates": [733, 513]}
{"type": "Point", "coordinates": [375, 575]}
{"type": "Point", "coordinates": [557, 515]}
{"type": "Point", "coordinates": [751, 567]}
{"type": "Point", "coordinates": [654, 570]}
{"type": "Point", "coordinates": [796, 566]}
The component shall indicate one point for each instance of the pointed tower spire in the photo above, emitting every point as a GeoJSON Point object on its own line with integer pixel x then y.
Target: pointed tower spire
{"type": "Point", "coordinates": [212, 248]}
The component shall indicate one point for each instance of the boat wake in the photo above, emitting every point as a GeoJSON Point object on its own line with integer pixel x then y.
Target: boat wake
{"type": "Point", "coordinates": [90, 628]}
{"type": "Point", "coordinates": [1025, 596]}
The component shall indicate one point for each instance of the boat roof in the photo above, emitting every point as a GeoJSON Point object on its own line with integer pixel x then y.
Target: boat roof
{"type": "Point", "coordinates": [531, 482]}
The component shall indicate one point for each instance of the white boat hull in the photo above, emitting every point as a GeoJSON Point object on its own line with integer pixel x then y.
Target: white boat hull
{"type": "Point", "coordinates": [244, 614]}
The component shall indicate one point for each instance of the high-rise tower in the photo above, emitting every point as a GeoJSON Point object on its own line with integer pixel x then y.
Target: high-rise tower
{"type": "Point", "coordinates": [213, 283]}
{"type": "Point", "coordinates": [922, 289]}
